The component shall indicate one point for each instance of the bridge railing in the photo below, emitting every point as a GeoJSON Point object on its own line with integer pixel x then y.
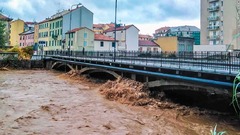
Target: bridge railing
{"type": "Point", "coordinates": [226, 62]}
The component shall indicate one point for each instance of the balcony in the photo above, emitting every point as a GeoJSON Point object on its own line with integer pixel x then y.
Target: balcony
{"type": "Point", "coordinates": [213, 27]}
{"type": "Point", "coordinates": [214, 37]}
{"type": "Point", "coordinates": [215, 8]}
{"type": "Point", "coordinates": [212, 1]}
{"type": "Point", "coordinates": [213, 18]}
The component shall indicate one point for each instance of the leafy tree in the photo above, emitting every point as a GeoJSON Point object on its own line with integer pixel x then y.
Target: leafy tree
{"type": "Point", "coordinates": [2, 34]}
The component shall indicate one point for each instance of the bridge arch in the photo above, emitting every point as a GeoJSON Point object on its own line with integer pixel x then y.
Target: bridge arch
{"type": "Point", "coordinates": [94, 70]}
{"type": "Point", "coordinates": [58, 64]}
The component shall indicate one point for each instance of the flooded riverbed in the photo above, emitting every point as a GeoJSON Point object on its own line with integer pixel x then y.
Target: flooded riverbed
{"type": "Point", "coordinates": [43, 102]}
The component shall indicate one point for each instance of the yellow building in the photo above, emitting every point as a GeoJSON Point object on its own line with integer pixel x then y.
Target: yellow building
{"type": "Point", "coordinates": [55, 34]}
{"type": "Point", "coordinates": [16, 27]}
{"type": "Point", "coordinates": [79, 39]}
{"type": "Point", "coordinates": [36, 29]}
{"type": "Point", "coordinates": [175, 44]}
{"type": "Point", "coordinates": [43, 34]}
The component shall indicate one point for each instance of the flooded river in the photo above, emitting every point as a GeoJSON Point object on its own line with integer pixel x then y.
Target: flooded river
{"type": "Point", "coordinates": [42, 102]}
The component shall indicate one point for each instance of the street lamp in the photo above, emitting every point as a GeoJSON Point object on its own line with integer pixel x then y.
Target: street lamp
{"type": "Point", "coordinates": [115, 29]}
{"type": "Point", "coordinates": [70, 24]}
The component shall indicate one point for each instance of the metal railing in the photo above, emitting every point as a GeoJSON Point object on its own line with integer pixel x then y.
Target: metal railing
{"type": "Point", "coordinates": [217, 62]}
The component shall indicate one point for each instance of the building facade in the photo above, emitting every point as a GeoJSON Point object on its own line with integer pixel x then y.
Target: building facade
{"type": "Point", "coordinates": [55, 34]}
{"type": "Point", "coordinates": [52, 31]}
{"type": "Point", "coordinates": [76, 18]}
{"type": "Point", "coordinates": [26, 39]}
{"type": "Point", "coordinates": [161, 32]}
{"type": "Point", "coordinates": [220, 22]}
{"type": "Point", "coordinates": [185, 31]}
{"type": "Point", "coordinates": [176, 44]}
{"type": "Point", "coordinates": [43, 34]}
{"type": "Point", "coordinates": [144, 37]}
{"type": "Point", "coordinates": [148, 46]}
{"type": "Point", "coordinates": [127, 37]}
{"type": "Point", "coordinates": [103, 43]}
{"type": "Point", "coordinates": [79, 39]}
{"type": "Point", "coordinates": [16, 27]}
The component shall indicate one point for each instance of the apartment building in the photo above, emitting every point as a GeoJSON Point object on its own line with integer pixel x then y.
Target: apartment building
{"type": "Point", "coordinates": [52, 31]}
{"type": "Point", "coordinates": [26, 38]}
{"type": "Point", "coordinates": [220, 22]}
{"type": "Point", "coordinates": [126, 35]}
{"type": "Point", "coordinates": [16, 27]}
{"type": "Point", "coordinates": [80, 39]}
{"type": "Point", "coordinates": [175, 43]}
{"type": "Point", "coordinates": [144, 37]}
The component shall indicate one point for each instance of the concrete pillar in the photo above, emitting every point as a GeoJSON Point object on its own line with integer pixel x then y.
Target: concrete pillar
{"type": "Point", "coordinates": [146, 79]}
{"type": "Point", "coordinates": [133, 77]}
{"type": "Point", "coordinates": [121, 74]}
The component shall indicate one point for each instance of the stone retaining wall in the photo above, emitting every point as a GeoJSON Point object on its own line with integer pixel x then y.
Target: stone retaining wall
{"type": "Point", "coordinates": [22, 64]}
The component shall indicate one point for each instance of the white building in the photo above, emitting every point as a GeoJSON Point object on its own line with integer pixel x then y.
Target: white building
{"type": "Point", "coordinates": [220, 22]}
{"type": "Point", "coordinates": [103, 43]}
{"type": "Point", "coordinates": [127, 37]}
{"type": "Point", "coordinates": [148, 46]}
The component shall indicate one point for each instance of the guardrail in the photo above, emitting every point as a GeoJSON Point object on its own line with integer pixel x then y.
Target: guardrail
{"type": "Point", "coordinates": [219, 62]}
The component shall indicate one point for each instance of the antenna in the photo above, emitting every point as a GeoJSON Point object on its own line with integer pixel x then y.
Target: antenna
{"type": "Point", "coordinates": [59, 7]}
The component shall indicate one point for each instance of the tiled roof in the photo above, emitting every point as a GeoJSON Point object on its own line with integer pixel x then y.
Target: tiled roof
{"type": "Point", "coordinates": [144, 36]}
{"type": "Point", "coordinates": [118, 28]}
{"type": "Point", "coordinates": [2, 17]}
{"type": "Point", "coordinates": [147, 43]}
{"type": "Point", "coordinates": [77, 29]}
{"type": "Point", "coordinates": [101, 37]}
{"type": "Point", "coordinates": [98, 25]}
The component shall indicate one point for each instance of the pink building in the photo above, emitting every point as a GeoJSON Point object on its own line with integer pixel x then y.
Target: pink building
{"type": "Point", "coordinates": [26, 38]}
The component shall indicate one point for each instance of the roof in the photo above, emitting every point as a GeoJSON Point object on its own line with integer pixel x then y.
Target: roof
{"type": "Point", "coordinates": [144, 36]}
{"type": "Point", "coordinates": [98, 25]}
{"type": "Point", "coordinates": [77, 29]}
{"type": "Point", "coordinates": [119, 28]}
{"type": "Point", "coordinates": [2, 17]}
{"type": "Point", "coordinates": [27, 32]}
{"type": "Point", "coordinates": [162, 29]}
{"type": "Point", "coordinates": [147, 43]}
{"type": "Point", "coordinates": [184, 28]}
{"type": "Point", "coordinates": [101, 37]}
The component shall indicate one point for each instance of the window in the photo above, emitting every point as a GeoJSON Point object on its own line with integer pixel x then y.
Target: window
{"type": "Point", "coordinates": [113, 44]}
{"type": "Point", "coordinates": [85, 43]}
{"type": "Point", "coordinates": [85, 35]}
{"type": "Point", "coordinates": [72, 43]}
{"type": "Point", "coordinates": [49, 43]}
{"type": "Point", "coordinates": [101, 44]}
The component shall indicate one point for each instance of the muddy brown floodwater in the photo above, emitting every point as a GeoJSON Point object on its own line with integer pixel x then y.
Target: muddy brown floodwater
{"type": "Point", "coordinates": [42, 102]}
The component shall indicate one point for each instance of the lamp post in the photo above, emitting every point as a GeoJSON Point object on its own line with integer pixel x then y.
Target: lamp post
{"type": "Point", "coordinates": [115, 34]}
{"type": "Point", "coordinates": [70, 24]}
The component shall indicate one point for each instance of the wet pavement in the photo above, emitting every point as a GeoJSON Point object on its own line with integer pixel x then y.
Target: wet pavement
{"type": "Point", "coordinates": [42, 102]}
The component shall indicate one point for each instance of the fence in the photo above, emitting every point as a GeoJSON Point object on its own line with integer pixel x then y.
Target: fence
{"type": "Point", "coordinates": [221, 62]}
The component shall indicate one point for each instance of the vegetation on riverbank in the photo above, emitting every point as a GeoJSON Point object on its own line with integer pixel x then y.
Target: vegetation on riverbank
{"type": "Point", "coordinates": [23, 53]}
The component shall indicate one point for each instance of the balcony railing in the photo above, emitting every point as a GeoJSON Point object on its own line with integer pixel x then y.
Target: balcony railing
{"type": "Point", "coordinates": [213, 18]}
{"type": "Point", "coordinates": [214, 37]}
{"type": "Point", "coordinates": [213, 0]}
{"type": "Point", "coordinates": [213, 27]}
{"type": "Point", "coordinates": [215, 8]}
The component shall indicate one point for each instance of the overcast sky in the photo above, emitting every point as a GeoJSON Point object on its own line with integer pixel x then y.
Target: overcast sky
{"type": "Point", "coordinates": [147, 15]}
